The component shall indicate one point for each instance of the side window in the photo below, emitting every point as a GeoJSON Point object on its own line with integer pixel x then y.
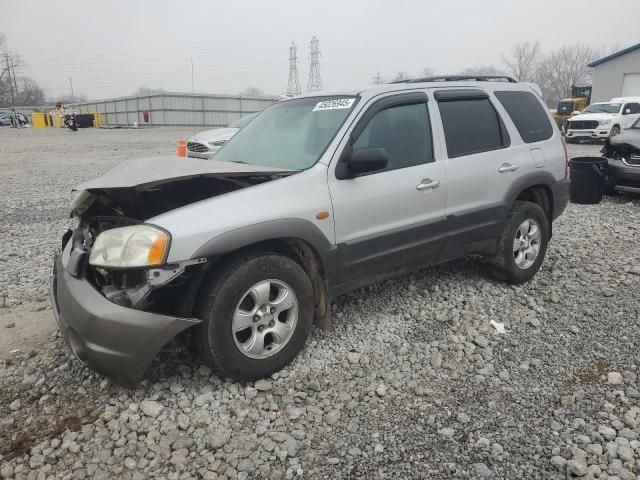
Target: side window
{"type": "Point", "coordinates": [527, 114]}
{"type": "Point", "coordinates": [471, 125]}
{"type": "Point", "coordinates": [403, 131]}
{"type": "Point", "coordinates": [633, 107]}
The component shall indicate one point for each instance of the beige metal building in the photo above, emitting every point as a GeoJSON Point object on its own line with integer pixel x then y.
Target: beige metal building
{"type": "Point", "coordinates": [617, 75]}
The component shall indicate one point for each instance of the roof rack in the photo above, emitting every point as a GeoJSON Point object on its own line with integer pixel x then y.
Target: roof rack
{"type": "Point", "coordinates": [458, 78]}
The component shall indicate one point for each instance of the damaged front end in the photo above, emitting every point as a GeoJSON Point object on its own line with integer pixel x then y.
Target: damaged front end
{"type": "Point", "coordinates": [116, 299]}
{"type": "Point", "coordinates": [623, 154]}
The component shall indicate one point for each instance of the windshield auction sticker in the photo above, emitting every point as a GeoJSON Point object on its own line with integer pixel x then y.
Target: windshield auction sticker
{"type": "Point", "coordinates": [335, 104]}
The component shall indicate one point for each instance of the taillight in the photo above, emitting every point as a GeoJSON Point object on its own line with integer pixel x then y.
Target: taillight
{"type": "Point", "coordinates": [566, 159]}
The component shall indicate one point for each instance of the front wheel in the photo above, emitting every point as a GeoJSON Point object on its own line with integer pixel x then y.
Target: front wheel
{"type": "Point", "coordinates": [257, 312]}
{"type": "Point", "coordinates": [523, 243]}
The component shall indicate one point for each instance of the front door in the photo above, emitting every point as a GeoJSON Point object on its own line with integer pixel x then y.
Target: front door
{"type": "Point", "coordinates": [630, 113]}
{"type": "Point", "coordinates": [393, 219]}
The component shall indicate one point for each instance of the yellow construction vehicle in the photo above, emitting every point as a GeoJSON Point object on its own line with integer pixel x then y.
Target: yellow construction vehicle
{"type": "Point", "coordinates": [579, 100]}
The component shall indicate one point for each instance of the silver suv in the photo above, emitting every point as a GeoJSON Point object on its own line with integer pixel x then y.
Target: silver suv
{"type": "Point", "coordinates": [318, 195]}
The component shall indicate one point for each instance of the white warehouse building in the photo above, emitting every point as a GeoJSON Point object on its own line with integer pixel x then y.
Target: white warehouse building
{"type": "Point", "coordinates": [617, 75]}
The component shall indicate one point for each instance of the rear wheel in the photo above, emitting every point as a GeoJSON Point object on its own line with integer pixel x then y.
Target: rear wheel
{"type": "Point", "coordinates": [523, 243]}
{"type": "Point", "coordinates": [257, 312]}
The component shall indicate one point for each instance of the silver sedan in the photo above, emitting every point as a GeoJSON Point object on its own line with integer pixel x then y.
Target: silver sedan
{"type": "Point", "coordinates": [206, 144]}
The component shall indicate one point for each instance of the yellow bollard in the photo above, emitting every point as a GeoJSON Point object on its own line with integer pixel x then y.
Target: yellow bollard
{"type": "Point", "coordinates": [37, 120]}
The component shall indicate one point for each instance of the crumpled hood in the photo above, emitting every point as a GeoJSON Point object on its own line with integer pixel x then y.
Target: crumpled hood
{"type": "Point", "coordinates": [157, 170]}
{"type": "Point", "coordinates": [214, 135]}
{"type": "Point", "coordinates": [593, 116]}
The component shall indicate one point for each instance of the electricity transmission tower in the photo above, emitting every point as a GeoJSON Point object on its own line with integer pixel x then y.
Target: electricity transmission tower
{"type": "Point", "coordinates": [293, 88]}
{"type": "Point", "coordinates": [315, 82]}
{"type": "Point", "coordinates": [377, 80]}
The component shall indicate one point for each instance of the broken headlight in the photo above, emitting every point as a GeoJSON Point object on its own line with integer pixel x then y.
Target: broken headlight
{"type": "Point", "coordinates": [133, 246]}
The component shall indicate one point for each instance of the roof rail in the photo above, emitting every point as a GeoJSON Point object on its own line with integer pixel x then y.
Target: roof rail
{"type": "Point", "coordinates": [458, 78]}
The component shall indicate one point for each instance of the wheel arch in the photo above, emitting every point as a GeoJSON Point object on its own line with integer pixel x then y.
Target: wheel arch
{"type": "Point", "coordinates": [297, 239]}
{"type": "Point", "coordinates": [535, 188]}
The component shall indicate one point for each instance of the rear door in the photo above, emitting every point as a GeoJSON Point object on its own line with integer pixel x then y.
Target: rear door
{"type": "Point", "coordinates": [392, 219]}
{"type": "Point", "coordinates": [480, 167]}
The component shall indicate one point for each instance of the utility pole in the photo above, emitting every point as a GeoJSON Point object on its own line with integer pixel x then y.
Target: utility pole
{"type": "Point", "coordinates": [315, 82]}
{"type": "Point", "coordinates": [15, 83]}
{"type": "Point", "coordinates": [293, 88]}
{"type": "Point", "coordinates": [377, 80]}
{"type": "Point", "coordinates": [8, 70]}
{"type": "Point", "coordinates": [71, 84]}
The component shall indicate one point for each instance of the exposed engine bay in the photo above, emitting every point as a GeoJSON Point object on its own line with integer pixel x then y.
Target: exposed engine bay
{"type": "Point", "coordinates": [623, 155]}
{"type": "Point", "coordinates": [625, 146]}
{"type": "Point", "coordinates": [102, 207]}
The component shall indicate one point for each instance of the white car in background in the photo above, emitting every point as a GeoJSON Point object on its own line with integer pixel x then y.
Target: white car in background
{"type": "Point", "coordinates": [206, 144]}
{"type": "Point", "coordinates": [603, 119]}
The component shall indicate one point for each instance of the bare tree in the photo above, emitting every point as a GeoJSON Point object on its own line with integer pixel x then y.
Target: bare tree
{"type": "Point", "coordinates": [400, 76]}
{"type": "Point", "coordinates": [30, 92]}
{"type": "Point", "coordinates": [146, 91]}
{"type": "Point", "coordinates": [16, 90]}
{"type": "Point", "coordinates": [67, 99]}
{"type": "Point", "coordinates": [252, 92]}
{"type": "Point", "coordinates": [428, 72]}
{"type": "Point", "coordinates": [482, 70]}
{"type": "Point", "coordinates": [563, 68]}
{"type": "Point", "coordinates": [522, 60]}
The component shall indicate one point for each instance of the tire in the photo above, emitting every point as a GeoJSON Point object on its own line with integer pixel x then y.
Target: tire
{"type": "Point", "coordinates": [615, 130]}
{"type": "Point", "coordinates": [249, 354]}
{"type": "Point", "coordinates": [505, 264]}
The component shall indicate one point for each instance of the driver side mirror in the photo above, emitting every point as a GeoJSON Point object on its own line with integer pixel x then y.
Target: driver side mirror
{"type": "Point", "coordinates": [627, 111]}
{"type": "Point", "coordinates": [365, 160]}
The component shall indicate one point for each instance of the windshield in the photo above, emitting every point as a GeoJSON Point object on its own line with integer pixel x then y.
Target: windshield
{"type": "Point", "coordinates": [565, 108]}
{"type": "Point", "coordinates": [241, 122]}
{"type": "Point", "coordinates": [602, 108]}
{"type": "Point", "coordinates": [292, 134]}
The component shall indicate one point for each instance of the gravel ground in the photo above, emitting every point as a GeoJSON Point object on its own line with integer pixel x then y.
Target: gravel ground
{"type": "Point", "coordinates": [413, 383]}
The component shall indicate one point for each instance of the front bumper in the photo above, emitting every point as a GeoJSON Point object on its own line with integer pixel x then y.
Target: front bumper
{"type": "Point", "coordinates": [622, 177]}
{"type": "Point", "coordinates": [597, 133]}
{"type": "Point", "coordinates": [202, 155]}
{"type": "Point", "coordinates": [115, 341]}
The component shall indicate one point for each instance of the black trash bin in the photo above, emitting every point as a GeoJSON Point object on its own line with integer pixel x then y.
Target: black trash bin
{"type": "Point", "coordinates": [587, 179]}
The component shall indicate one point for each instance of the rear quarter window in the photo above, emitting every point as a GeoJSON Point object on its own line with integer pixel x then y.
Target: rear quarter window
{"type": "Point", "coordinates": [527, 114]}
{"type": "Point", "coordinates": [471, 125]}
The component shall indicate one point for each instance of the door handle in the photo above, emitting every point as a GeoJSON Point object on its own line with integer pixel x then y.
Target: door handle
{"type": "Point", "coordinates": [507, 167]}
{"type": "Point", "coordinates": [427, 183]}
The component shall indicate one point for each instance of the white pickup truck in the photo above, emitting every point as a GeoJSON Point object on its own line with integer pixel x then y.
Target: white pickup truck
{"type": "Point", "coordinates": [603, 120]}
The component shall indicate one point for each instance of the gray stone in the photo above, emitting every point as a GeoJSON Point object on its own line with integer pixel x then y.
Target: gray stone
{"type": "Point", "coordinates": [262, 385]}
{"type": "Point", "coordinates": [217, 440]}
{"type": "Point", "coordinates": [332, 417]}
{"type": "Point", "coordinates": [615, 378]}
{"type": "Point", "coordinates": [576, 468]}
{"type": "Point", "coordinates": [151, 408]}
{"type": "Point", "coordinates": [607, 432]}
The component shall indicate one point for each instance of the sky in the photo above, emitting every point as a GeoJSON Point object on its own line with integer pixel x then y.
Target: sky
{"type": "Point", "coordinates": [111, 48]}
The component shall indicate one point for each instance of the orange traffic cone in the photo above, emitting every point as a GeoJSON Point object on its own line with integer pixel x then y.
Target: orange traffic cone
{"type": "Point", "coordinates": [182, 148]}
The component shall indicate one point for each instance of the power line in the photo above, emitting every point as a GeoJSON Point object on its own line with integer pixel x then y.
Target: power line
{"type": "Point", "coordinates": [315, 82]}
{"type": "Point", "coordinates": [293, 88]}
